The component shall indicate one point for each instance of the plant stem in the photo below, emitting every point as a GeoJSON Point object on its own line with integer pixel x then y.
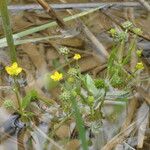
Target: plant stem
{"type": "Point", "coordinates": [17, 94]}
{"type": "Point", "coordinates": [7, 29]}
{"type": "Point", "coordinates": [80, 124]}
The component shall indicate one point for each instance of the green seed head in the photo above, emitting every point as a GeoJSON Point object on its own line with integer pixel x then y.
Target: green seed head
{"type": "Point", "coordinates": [65, 96]}
{"type": "Point", "coordinates": [71, 80]}
{"type": "Point", "coordinates": [91, 99]}
{"type": "Point", "coordinates": [137, 31]}
{"type": "Point", "coordinates": [72, 71]}
{"type": "Point", "coordinates": [127, 25]}
{"type": "Point", "coordinates": [139, 53]}
{"type": "Point", "coordinates": [8, 104]}
{"type": "Point", "coordinates": [113, 32]}
{"type": "Point", "coordinates": [64, 50]}
{"type": "Point", "coordinates": [99, 83]}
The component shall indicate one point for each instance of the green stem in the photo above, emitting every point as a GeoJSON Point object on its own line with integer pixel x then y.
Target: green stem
{"type": "Point", "coordinates": [82, 97]}
{"type": "Point", "coordinates": [17, 94]}
{"type": "Point", "coordinates": [120, 51]}
{"type": "Point", "coordinates": [131, 48]}
{"type": "Point", "coordinates": [80, 124]}
{"type": "Point", "coordinates": [7, 29]}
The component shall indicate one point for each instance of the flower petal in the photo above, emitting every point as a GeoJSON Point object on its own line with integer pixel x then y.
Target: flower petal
{"type": "Point", "coordinates": [18, 70]}
{"type": "Point", "coordinates": [14, 65]}
{"type": "Point", "coordinates": [9, 70]}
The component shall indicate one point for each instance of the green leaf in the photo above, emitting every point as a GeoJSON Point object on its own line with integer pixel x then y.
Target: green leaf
{"type": "Point", "coordinates": [49, 83]}
{"type": "Point", "coordinates": [79, 123]}
{"type": "Point", "coordinates": [90, 84]}
{"type": "Point", "coordinates": [32, 95]}
{"type": "Point", "coordinates": [56, 63]}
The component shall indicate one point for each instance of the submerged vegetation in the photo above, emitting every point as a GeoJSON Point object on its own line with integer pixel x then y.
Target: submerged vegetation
{"type": "Point", "coordinates": [81, 96]}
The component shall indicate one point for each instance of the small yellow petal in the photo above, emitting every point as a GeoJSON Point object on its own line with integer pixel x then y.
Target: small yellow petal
{"type": "Point", "coordinates": [60, 76]}
{"type": "Point", "coordinates": [52, 76]}
{"type": "Point", "coordinates": [56, 76]}
{"type": "Point", "coordinates": [139, 66]}
{"type": "Point", "coordinates": [18, 70]}
{"type": "Point", "coordinates": [13, 69]}
{"type": "Point", "coordinates": [77, 56]}
{"type": "Point", "coordinates": [14, 65]}
{"type": "Point", "coordinates": [8, 70]}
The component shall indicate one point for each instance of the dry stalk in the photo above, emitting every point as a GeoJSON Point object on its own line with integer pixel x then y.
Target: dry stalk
{"type": "Point", "coordinates": [53, 14]}
{"type": "Point", "coordinates": [131, 110]}
{"type": "Point", "coordinates": [145, 4]}
{"type": "Point", "coordinates": [73, 5]}
{"type": "Point", "coordinates": [144, 109]}
{"type": "Point", "coordinates": [119, 138]}
{"type": "Point", "coordinates": [144, 93]}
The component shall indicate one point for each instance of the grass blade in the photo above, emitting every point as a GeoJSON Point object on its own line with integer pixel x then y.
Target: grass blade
{"type": "Point", "coordinates": [47, 25]}
{"type": "Point", "coordinates": [80, 125]}
{"type": "Point", "coordinates": [7, 29]}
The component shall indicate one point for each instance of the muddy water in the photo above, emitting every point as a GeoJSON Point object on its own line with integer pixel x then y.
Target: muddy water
{"type": "Point", "coordinates": [37, 60]}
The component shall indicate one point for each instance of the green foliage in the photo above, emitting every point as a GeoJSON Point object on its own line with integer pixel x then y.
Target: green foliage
{"type": "Point", "coordinates": [79, 123]}
{"type": "Point", "coordinates": [81, 95]}
{"type": "Point", "coordinates": [31, 96]}
{"type": "Point", "coordinates": [116, 71]}
{"type": "Point", "coordinates": [49, 83]}
{"type": "Point", "coordinates": [8, 104]}
{"type": "Point", "coordinates": [90, 85]}
{"type": "Point", "coordinates": [101, 84]}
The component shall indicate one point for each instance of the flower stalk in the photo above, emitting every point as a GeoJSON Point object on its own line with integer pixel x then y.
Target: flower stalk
{"type": "Point", "coordinates": [7, 29]}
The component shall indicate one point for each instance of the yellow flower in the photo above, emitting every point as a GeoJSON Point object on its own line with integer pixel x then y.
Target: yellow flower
{"type": "Point", "coordinates": [77, 56]}
{"type": "Point", "coordinates": [56, 76]}
{"type": "Point", "coordinates": [13, 70]}
{"type": "Point", "coordinates": [139, 66]}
